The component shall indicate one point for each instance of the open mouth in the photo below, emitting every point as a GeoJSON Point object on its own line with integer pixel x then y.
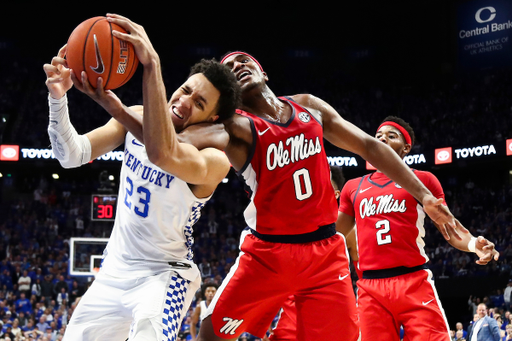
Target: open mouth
{"type": "Point", "coordinates": [176, 112]}
{"type": "Point", "coordinates": [242, 75]}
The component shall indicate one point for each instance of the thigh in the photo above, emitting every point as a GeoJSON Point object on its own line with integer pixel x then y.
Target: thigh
{"type": "Point", "coordinates": [328, 310]}
{"type": "Point", "coordinates": [99, 314]}
{"type": "Point", "coordinates": [286, 326]}
{"type": "Point", "coordinates": [253, 292]}
{"type": "Point", "coordinates": [424, 317]}
{"type": "Point", "coordinates": [160, 305]}
{"type": "Point", "coordinates": [375, 319]}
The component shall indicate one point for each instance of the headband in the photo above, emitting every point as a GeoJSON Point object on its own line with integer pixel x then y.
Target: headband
{"type": "Point", "coordinates": [240, 52]}
{"type": "Point", "coordinates": [404, 132]}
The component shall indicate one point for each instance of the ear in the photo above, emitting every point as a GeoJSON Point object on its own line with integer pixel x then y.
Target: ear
{"type": "Point", "coordinates": [407, 148]}
{"type": "Point", "coordinates": [337, 193]}
{"type": "Point", "coordinates": [265, 76]}
{"type": "Point", "coordinates": [213, 118]}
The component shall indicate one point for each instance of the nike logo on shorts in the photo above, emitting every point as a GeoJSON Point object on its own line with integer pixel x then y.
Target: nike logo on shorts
{"type": "Point", "coordinates": [425, 303]}
{"type": "Point", "coordinates": [343, 277]}
{"type": "Point", "coordinates": [99, 61]}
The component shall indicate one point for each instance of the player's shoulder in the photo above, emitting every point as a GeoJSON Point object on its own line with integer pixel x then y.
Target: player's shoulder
{"type": "Point", "coordinates": [306, 100]}
{"type": "Point", "coordinates": [424, 175]}
{"type": "Point", "coordinates": [352, 184]}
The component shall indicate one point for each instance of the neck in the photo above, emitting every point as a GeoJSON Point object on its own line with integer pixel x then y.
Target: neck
{"type": "Point", "coordinates": [263, 102]}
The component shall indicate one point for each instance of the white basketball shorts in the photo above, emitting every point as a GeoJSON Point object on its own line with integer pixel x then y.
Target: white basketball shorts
{"type": "Point", "coordinates": [147, 308]}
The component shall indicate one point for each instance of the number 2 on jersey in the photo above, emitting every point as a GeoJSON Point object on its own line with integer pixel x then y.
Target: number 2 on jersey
{"type": "Point", "coordinates": [144, 198]}
{"type": "Point", "coordinates": [382, 237]}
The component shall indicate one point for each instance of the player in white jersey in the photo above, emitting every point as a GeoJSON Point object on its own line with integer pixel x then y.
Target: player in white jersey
{"type": "Point", "coordinates": [147, 279]}
{"type": "Point", "coordinates": [200, 312]}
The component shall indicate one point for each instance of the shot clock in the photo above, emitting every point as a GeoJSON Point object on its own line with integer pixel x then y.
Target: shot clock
{"type": "Point", "coordinates": [103, 207]}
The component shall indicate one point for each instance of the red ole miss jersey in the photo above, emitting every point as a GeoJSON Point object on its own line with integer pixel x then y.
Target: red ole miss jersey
{"type": "Point", "coordinates": [389, 220]}
{"type": "Point", "coordinates": [288, 175]}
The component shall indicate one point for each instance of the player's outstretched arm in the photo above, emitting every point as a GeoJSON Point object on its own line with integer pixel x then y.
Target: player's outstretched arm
{"type": "Point", "coordinates": [346, 135]}
{"type": "Point", "coordinates": [463, 240]}
{"type": "Point", "coordinates": [70, 148]}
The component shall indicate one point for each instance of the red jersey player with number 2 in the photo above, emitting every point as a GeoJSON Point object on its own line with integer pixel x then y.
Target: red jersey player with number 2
{"type": "Point", "coordinates": [397, 286]}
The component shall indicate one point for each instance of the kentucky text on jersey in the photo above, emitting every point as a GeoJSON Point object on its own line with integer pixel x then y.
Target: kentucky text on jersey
{"type": "Point", "coordinates": [155, 176]}
{"type": "Point", "coordinates": [386, 204]}
{"type": "Point", "coordinates": [300, 149]}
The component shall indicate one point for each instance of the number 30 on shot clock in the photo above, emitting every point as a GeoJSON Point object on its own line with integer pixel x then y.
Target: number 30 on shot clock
{"type": "Point", "coordinates": [103, 207]}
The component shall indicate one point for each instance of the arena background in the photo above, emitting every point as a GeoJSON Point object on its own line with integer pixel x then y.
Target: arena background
{"type": "Point", "coordinates": [431, 62]}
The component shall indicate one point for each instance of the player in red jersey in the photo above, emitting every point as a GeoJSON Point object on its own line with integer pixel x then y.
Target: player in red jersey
{"type": "Point", "coordinates": [285, 328]}
{"type": "Point", "coordinates": [397, 285]}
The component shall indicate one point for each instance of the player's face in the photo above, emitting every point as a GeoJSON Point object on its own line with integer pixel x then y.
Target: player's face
{"type": "Point", "coordinates": [247, 72]}
{"type": "Point", "coordinates": [210, 292]}
{"type": "Point", "coordinates": [194, 102]}
{"type": "Point", "coordinates": [393, 138]}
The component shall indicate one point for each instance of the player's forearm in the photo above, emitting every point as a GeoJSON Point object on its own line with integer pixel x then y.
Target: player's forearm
{"type": "Point", "coordinates": [131, 121]}
{"type": "Point", "coordinates": [159, 133]}
{"type": "Point", "coordinates": [70, 148]}
{"type": "Point", "coordinates": [388, 162]}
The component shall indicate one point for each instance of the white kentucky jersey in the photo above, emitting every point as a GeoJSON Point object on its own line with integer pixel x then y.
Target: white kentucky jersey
{"type": "Point", "coordinates": [153, 224]}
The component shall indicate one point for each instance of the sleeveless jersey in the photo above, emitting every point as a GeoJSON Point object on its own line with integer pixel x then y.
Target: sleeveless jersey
{"type": "Point", "coordinates": [288, 175]}
{"type": "Point", "coordinates": [389, 220]}
{"type": "Point", "coordinates": [153, 224]}
{"type": "Point", "coordinates": [204, 310]}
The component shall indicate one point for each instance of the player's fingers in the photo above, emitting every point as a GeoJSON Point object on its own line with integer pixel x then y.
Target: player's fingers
{"type": "Point", "coordinates": [124, 22]}
{"type": "Point", "coordinates": [59, 61]}
{"type": "Point", "coordinates": [496, 255]}
{"type": "Point", "coordinates": [76, 81]}
{"type": "Point", "coordinates": [444, 231]}
{"type": "Point", "coordinates": [49, 69]}
{"type": "Point", "coordinates": [62, 51]}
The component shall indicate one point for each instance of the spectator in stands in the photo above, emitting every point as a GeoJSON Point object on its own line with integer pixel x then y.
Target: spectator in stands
{"type": "Point", "coordinates": [485, 328]}
{"type": "Point", "coordinates": [42, 324]}
{"type": "Point", "coordinates": [458, 327]}
{"type": "Point", "coordinates": [47, 288]}
{"type": "Point", "coordinates": [507, 295]}
{"type": "Point", "coordinates": [23, 304]}
{"type": "Point", "coordinates": [24, 282]}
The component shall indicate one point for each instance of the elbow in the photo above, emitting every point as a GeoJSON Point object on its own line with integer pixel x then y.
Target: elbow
{"type": "Point", "coordinates": [157, 156]}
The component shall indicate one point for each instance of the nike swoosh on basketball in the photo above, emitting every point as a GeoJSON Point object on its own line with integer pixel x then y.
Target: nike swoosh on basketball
{"type": "Point", "coordinates": [99, 61]}
{"type": "Point", "coordinates": [425, 303]}
{"type": "Point", "coordinates": [343, 277]}
{"type": "Point", "coordinates": [263, 132]}
{"type": "Point", "coordinates": [364, 190]}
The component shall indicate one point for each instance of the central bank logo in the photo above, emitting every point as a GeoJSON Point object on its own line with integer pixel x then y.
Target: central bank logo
{"type": "Point", "coordinates": [485, 14]}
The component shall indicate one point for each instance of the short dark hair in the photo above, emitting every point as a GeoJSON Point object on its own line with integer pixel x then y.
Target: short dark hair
{"type": "Point", "coordinates": [223, 80]}
{"type": "Point", "coordinates": [404, 125]}
{"type": "Point", "coordinates": [208, 285]}
{"type": "Point", "coordinates": [337, 176]}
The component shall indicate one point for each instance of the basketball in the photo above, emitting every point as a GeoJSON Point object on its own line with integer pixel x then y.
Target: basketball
{"type": "Point", "coordinates": [92, 48]}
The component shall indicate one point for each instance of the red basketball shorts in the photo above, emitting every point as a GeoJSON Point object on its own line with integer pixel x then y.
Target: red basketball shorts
{"type": "Point", "coordinates": [266, 274]}
{"type": "Point", "coordinates": [408, 300]}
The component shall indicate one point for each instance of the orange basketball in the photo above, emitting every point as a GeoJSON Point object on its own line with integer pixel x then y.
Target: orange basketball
{"type": "Point", "coordinates": [92, 48]}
